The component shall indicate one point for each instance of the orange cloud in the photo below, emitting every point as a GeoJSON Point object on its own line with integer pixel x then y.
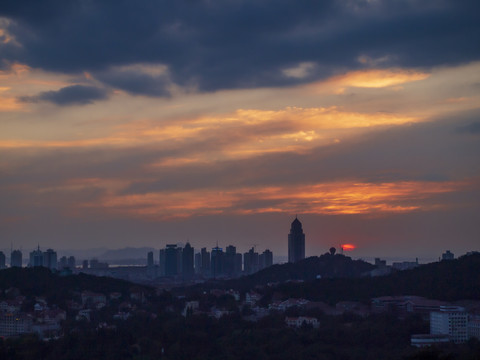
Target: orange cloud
{"type": "Point", "coordinates": [241, 134]}
{"type": "Point", "coordinates": [455, 100]}
{"type": "Point", "coordinates": [339, 198]}
{"type": "Point", "coordinates": [15, 71]}
{"type": "Point", "coordinates": [9, 104]}
{"type": "Point", "coordinates": [373, 78]}
{"type": "Point", "coordinates": [378, 78]}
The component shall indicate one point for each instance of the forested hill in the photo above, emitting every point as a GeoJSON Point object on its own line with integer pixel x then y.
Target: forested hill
{"type": "Point", "coordinates": [40, 281]}
{"type": "Point", "coordinates": [324, 266]}
{"type": "Point", "coordinates": [309, 269]}
{"type": "Point", "coordinates": [446, 280]}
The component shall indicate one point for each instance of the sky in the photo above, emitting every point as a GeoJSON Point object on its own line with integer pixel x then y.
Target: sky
{"type": "Point", "coordinates": [151, 122]}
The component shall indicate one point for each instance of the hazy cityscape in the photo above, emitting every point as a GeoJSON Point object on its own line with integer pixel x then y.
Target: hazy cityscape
{"type": "Point", "coordinates": [178, 263]}
{"type": "Point", "coordinates": [455, 322]}
{"type": "Point", "coordinates": [240, 179]}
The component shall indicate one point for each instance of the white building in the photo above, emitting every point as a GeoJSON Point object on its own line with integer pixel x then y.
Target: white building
{"type": "Point", "coordinates": [15, 324]}
{"type": "Point", "coordinates": [474, 326]}
{"type": "Point", "coordinates": [450, 320]}
{"type": "Point", "coordinates": [426, 340]}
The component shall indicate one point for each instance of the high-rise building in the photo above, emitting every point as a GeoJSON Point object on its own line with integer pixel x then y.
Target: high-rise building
{"type": "Point", "coordinates": [205, 262]}
{"type": "Point", "coordinates": [179, 260]}
{"type": "Point", "coordinates": [150, 259]}
{"type": "Point", "coordinates": [171, 260]}
{"type": "Point", "coordinates": [63, 263]}
{"type": "Point", "coordinates": [36, 258]}
{"type": "Point", "coordinates": [16, 258]}
{"type": "Point", "coordinates": [85, 264]}
{"type": "Point", "coordinates": [216, 263]}
{"type": "Point", "coordinates": [266, 259]}
{"type": "Point", "coordinates": [229, 263]}
{"type": "Point", "coordinates": [187, 261]}
{"type": "Point", "coordinates": [161, 262]}
{"type": "Point", "coordinates": [95, 264]}
{"type": "Point", "coordinates": [250, 262]}
{"type": "Point", "coordinates": [238, 264]}
{"type": "Point", "coordinates": [50, 259]}
{"type": "Point", "coordinates": [2, 260]}
{"type": "Point", "coordinates": [451, 321]}
{"type": "Point", "coordinates": [296, 242]}
{"type": "Point", "coordinates": [198, 263]}
{"type": "Point", "coordinates": [71, 262]}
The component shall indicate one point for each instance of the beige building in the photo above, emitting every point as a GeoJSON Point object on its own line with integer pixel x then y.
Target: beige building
{"type": "Point", "coordinates": [451, 321]}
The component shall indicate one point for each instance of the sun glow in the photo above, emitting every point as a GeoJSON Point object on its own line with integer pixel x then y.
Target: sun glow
{"type": "Point", "coordinates": [347, 247]}
{"type": "Point", "coordinates": [378, 78]}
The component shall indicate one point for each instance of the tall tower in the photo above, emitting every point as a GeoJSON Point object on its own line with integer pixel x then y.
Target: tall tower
{"type": "Point", "coordinates": [150, 261]}
{"type": "Point", "coordinates": [171, 260]}
{"type": "Point", "coordinates": [36, 258]}
{"type": "Point", "coordinates": [2, 260]}
{"type": "Point", "coordinates": [50, 259]}
{"type": "Point", "coordinates": [16, 258]}
{"type": "Point", "coordinates": [187, 261]}
{"type": "Point", "coordinates": [216, 262]}
{"type": "Point", "coordinates": [296, 242]}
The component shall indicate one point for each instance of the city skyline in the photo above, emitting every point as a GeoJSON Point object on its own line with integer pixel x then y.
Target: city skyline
{"type": "Point", "coordinates": [135, 254]}
{"type": "Point", "coordinates": [219, 122]}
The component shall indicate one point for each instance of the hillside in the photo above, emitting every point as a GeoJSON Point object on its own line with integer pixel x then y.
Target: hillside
{"type": "Point", "coordinates": [40, 281]}
{"type": "Point", "coordinates": [324, 266]}
{"type": "Point", "coordinates": [446, 280]}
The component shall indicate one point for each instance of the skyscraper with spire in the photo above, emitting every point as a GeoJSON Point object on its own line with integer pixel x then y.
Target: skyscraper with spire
{"type": "Point", "coordinates": [296, 242]}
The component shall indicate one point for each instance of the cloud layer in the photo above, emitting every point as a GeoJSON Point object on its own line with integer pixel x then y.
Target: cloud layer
{"type": "Point", "coordinates": [70, 95]}
{"type": "Point", "coordinates": [127, 124]}
{"type": "Point", "coordinates": [236, 44]}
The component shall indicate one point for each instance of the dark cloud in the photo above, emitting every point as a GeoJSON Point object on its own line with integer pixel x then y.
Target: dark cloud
{"type": "Point", "coordinates": [237, 44]}
{"type": "Point", "coordinates": [70, 95]}
{"type": "Point", "coordinates": [136, 82]}
{"type": "Point", "coordinates": [473, 128]}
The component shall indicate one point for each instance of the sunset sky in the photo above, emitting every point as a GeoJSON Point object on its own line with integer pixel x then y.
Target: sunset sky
{"type": "Point", "coordinates": [141, 123]}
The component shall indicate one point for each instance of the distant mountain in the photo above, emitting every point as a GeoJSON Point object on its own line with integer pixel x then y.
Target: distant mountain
{"type": "Point", "coordinates": [126, 253]}
{"type": "Point", "coordinates": [82, 254]}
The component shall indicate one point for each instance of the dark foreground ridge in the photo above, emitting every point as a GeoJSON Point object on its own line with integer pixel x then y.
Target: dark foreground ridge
{"type": "Point", "coordinates": [324, 266]}
{"type": "Point", "coordinates": [335, 278]}
{"type": "Point", "coordinates": [447, 280]}
{"type": "Point", "coordinates": [136, 322]}
{"type": "Point", "coordinates": [40, 281]}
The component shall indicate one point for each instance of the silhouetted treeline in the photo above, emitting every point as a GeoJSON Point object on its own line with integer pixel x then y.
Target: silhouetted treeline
{"type": "Point", "coordinates": [446, 280]}
{"type": "Point", "coordinates": [170, 336]}
{"type": "Point", "coordinates": [325, 266]}
{"type": "Point", "coordinates": [309, 269]}
{"type": "Point", "coordinates": [40, 281]}
{"type": "Point", "coordinates": [341, 280]}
